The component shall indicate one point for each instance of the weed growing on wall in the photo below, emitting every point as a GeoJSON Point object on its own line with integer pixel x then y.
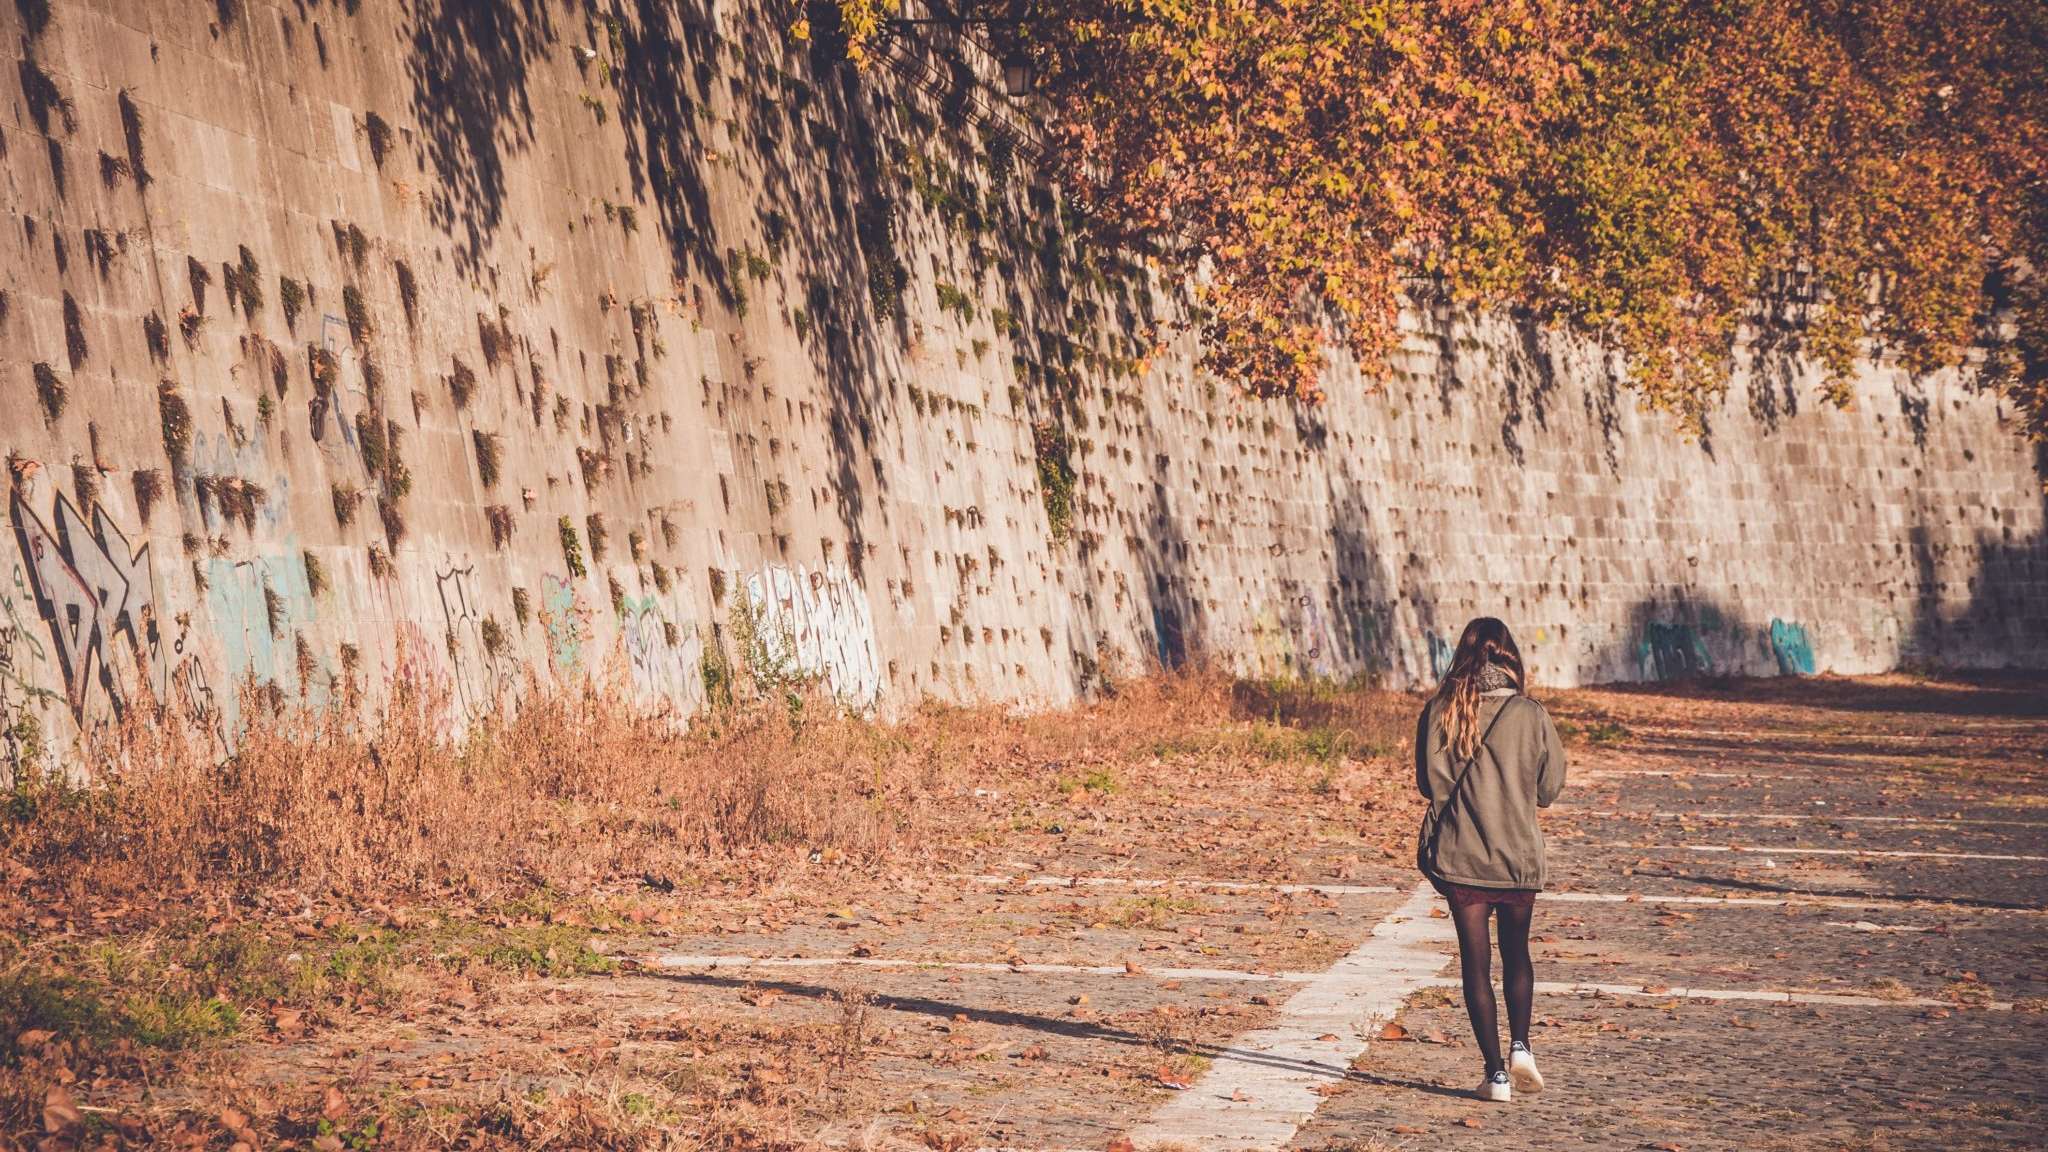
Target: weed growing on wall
{"type": "Point", "coordinates": [493, 338]}
{"type": "Point", "coordinates": [74, 333]}
{"type": "Point", "coordinates": [486, 456]}
{"type": "Point", "coordinates": [149, 485]}
{"type": "Point", "coordinates": [113, 169]}
{"type": "Point", "coordinates": [379, 132]}
{"type": "Point", "coordinates": [594, 525]}
{"type": "Point", "coordinates": [198, 277]}
{"type": "Point", "coordinates": [499, 518]}
{"type": "Point", "coordinates": [316, 573]}
{"type": "Point", "coordinates": [176, 421]}
{"type": "Point", "coordinates": [49, 392]}
{"type": "Point", "coordinates": [370, 441]}
{"type": "Point", "coordinates": [1055, 478]}
{"type": "Point", "coordinates": [522, 608]}
{"type": "Point", "coordinates": [131, 132]}
{"type": "Point", "coordinates": [85, 480]}
{"type": "Point", "coordinates": [461, 384]}
{"type": "Point", "coordinates": [292, 295]}
{"type": "Point", "coordinates": [44, 98]}
{"type": "Point", "coordinates": [358, 313]}
{"type": "Point", "coordinates": [767, 655]}
{"type": "Point", "coordinates": [248, 283]}
{"type": "Point", "coordinates": [408, 294]}
{"type": "Point", "coordinates": [322, 366]}
{"type": "Point", "coordinates": [572, 548]}
{"type": "Point", "coordinates": [346, 501]}
{"type": "Point", "coordinates": [952, 299]}
{"type": "Point", "coordinates": [874, 228]}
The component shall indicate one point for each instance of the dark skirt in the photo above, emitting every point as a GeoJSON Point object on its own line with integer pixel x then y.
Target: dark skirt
{"type": "Point", "coordinates": [1466, 896]}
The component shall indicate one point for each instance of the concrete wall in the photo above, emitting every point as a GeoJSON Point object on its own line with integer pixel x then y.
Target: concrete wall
{"type": "Point", "coordinates": [749, 332]}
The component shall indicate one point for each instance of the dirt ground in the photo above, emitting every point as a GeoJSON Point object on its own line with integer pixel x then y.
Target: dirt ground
{"type": "Point", "coordinates": [1797, 914]}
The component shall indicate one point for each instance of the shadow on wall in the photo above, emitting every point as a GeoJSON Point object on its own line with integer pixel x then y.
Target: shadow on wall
{"type": "Point", "coordinates": [1362, 605]}
{"type": "Point", "coordinates": [469, 69]}
{"type": "Point", "coordinates": [2003, 620]}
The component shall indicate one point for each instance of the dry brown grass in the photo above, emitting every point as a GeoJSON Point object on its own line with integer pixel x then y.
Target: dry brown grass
{"type": "Point", "coordinates": [568, 790]}
{"type": "Point", "coordinates": [576, 789]}
{"type": "Point", "coordinates": [335, 870]}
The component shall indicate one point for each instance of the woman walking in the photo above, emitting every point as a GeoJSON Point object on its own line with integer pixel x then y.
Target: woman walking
{"type": "Point", "coordinates": [1486, 757]}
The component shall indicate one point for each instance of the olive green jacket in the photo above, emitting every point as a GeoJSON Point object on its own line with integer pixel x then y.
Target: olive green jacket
{"type": "Point", "coordinates": [1488, 836]}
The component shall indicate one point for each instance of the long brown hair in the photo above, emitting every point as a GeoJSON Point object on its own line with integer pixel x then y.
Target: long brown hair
{"type": "Point", "coordinates": [1486, 641]}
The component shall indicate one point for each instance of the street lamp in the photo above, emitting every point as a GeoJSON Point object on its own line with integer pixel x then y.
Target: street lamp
{"type": "Point", "coordinates": [1016, 75]}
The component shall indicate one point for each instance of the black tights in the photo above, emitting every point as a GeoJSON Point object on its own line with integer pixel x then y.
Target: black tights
{"type": "Point", "coordinates": [1518, 977]}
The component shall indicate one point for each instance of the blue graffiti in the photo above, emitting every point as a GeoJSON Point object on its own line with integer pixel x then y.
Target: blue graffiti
{"type": "Point", "coordinates": [1672, 651]}
{"type": "Point", "coordinates": [1790, 645]}
{"type": "Point", "coordinates": [1439, 655]}
{"type": "Point", "coordinates": [253, 603]}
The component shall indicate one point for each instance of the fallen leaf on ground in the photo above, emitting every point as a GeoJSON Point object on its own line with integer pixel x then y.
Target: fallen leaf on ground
{"type": "Point", "coordinates": [1393, 1031]}
{"type": "Point", "coordinates": [59, 1113]}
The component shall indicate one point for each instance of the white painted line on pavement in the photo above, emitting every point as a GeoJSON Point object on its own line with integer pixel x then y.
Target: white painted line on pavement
{"type": "Point", "coordinates": [1188, 882]}
{"type": "Point", "coordinates": [1758, 995]}
{"type": "Point", "coordinates": [1830, 817]}
{"type": "Point", "coordinates": [1867, 926]}
{"type": "Point", "coordinates": [1781, 736]}
{"type": "Point", "coordinates": [1751, 849]}
{"type": "Point", "coordinates": [710, 962]}
{"type": "Point", "coordinates": [1261, 1088]}
{"type": "Point", "coordinates": [1560, 895]}
{"type": "Point", "coordinates": [1567, 897]}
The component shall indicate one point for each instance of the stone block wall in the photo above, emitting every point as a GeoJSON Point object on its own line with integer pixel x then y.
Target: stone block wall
{"type": "Point", "coordinates": [538, 339]}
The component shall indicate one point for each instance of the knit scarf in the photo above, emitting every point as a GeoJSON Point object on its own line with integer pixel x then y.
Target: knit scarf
{"type": "Point", "coordinates": [1493, 678]}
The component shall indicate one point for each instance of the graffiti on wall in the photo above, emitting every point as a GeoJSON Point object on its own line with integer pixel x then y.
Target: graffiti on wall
{"type": "Point", "coordinates": [1672, 652]}
{"type": "Point", "coordinates": [1789, 644]}
{"type": "Point", "coordinates": [192, 690]}
{"type": "Point", "coordinates": [824, 620]}
{"type": "Point", "coordinates": [22, 655]}
{"type": "Point", "coordinates": [93, 591]}
{"type": "Point", "coordinates": [1439, 655]}
{"type": "Point", "coordinates": [478, 678]}
{"type": "Point", "coordinates": [254, 604]}
{"type": "Point", "coordinates": [666, 660]}
{"type": "Point", "coordinates": [567, 622]}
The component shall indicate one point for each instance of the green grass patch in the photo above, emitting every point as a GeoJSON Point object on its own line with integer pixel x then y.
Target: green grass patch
{"type": "Point", "coordinates": [1100, 780]}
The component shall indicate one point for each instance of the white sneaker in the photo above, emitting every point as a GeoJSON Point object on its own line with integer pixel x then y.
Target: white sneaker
{"type": "Point", "coordinates": [1522, 1067]}
{"type": "Point", "coordinates": [1496, 1088]}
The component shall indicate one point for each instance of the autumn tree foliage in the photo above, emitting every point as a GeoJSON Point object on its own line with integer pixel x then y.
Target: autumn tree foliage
{"type": "Point", "coordinates": [1853, 177]}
